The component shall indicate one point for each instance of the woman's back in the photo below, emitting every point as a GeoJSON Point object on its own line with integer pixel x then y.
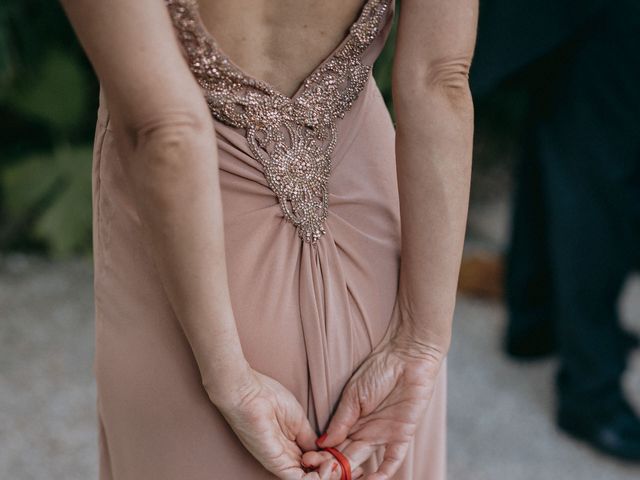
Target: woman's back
{"type": "Point", "coordinates": [279, 42]}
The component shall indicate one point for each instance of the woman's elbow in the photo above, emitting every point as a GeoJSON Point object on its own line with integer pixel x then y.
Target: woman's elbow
{"type": "Point", "coordinates": [171, 129]}
{"type": "Point", "coordinates": [168, 146]}
{"type": "Point", "coordinates": [445, 80]}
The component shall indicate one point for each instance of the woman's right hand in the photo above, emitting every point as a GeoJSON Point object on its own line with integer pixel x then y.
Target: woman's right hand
{"type": "Point", "coordinates": [270, 423]}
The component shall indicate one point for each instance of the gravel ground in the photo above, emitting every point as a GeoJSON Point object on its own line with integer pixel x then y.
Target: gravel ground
{"type": "Point", "coordinates": [500, 412]}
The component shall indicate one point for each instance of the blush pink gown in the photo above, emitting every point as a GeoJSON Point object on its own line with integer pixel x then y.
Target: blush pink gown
{"type": "Point", "coordinates": [312, 231]}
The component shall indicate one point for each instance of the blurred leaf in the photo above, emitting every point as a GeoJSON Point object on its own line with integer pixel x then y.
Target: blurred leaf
{"type": "Point", "coordinates": [6, 63]}
{"type": "Point", "coordinates": [6, 70]}
{"type": "Point", "coordinates": [67, 222]}
{"type": "Point", "coordinates": [28, 29]}
{"type": "Point", "coordinates": [58, 95]}
{"type": "Point", "coordinates": [64, 225]}
{"type": "Point", "coordinates": [21, 136]}
{"type": "Point", "coordinates": [27, 182]}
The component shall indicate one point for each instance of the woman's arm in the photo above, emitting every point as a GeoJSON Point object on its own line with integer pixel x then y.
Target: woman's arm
{"type": "Point", "coordinates": [434, 141]}
{"type": "Point", "coordinates": [165, 135]}
{"type": "Point", "coordinates": [166, 140]}
{"type": "Point", "coordinates": [385, 399]}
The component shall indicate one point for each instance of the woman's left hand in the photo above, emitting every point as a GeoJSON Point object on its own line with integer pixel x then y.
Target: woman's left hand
{"type": "Point", "coordinates": [381, 405]}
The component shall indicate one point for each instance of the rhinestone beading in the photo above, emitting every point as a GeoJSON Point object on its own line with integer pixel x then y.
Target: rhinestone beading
{"type": "Point", "coordinates": [292, 138]}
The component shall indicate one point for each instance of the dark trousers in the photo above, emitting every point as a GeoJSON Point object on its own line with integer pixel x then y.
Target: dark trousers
{"type": "Point", "coordinates": [576, 222]}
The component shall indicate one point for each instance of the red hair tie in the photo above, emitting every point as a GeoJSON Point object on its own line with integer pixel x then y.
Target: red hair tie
{"type": "Point", "coordinates": [342, 460]}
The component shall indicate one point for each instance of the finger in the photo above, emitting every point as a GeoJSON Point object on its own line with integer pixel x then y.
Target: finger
{"type": "Point", "coordinates": [315, 459]}
{"type": "Point", "coordinates": [346, 415]}
{"type": "Point", "coordinates": [326, 464]}
{"type": "Point", "coordinates": [383, 428]}
{"type": "Point", "coordinates": [295, 473]}
{"type": "Point", "coordinates": [330, 470]}
{"type": "Point", "coordinates": [393, 456]}
{"type": "Point", "coordinates": [306, 437]}
{"type": "Point", "coordinates": [358, 452]}
{"type": "Point", "coordinates": [357, 473]}
{"type": "Point", "coordinates": [311, 476]}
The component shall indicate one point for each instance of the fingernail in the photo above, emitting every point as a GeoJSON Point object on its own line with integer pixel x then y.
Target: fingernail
{"type": "Point", "coordinates": [321, 439]}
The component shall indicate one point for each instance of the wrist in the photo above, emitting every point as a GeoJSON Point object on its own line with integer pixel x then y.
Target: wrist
{"type": "Point", "coordinates": [405, 341]}
{"type": "Point", "coordinates": [227, 384]}
{"type": "Point", "coordinates": [413, 340]}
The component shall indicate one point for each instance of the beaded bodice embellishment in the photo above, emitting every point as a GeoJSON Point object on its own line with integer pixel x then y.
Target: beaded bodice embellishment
{"type": "Point", "coordinates": [293, 138]}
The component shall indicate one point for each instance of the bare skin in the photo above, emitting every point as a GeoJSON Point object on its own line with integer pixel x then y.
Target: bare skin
{"type": "Point", "coordinates": [165, 134]}
{"type": "Point", "coordinates": [279, 42]}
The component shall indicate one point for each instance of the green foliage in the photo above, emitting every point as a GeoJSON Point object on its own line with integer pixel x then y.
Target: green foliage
{"type": "Point", "coordinates": [5, 57]}
{"type": "Point", "coordinates": [57, 95]}
{"type": "Point", "coordinates": [54, 194]}
{"type": "Point", "coordinates": [28, 29]}
{"type": "Point", "coordinates": [48, 99]}
{"type": "Point", "coordinates": [7, 60]}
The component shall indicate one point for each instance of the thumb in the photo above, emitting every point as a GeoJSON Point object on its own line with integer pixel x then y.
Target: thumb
{"type": "Point", "coordinates": [306, 436]}
{"type": "Point", "coordinates": [343, 419]}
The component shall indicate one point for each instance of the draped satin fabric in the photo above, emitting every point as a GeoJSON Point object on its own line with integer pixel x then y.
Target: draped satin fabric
{"type": "Point", "coordinates": [307, 314]}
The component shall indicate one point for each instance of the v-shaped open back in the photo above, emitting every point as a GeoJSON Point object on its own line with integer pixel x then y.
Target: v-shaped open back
{"type": "Point", "coordinates": [366, 10]}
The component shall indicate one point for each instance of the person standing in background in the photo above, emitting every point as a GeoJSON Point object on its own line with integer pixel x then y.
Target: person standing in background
{"type": "Point", "coordinates": [576, 218]}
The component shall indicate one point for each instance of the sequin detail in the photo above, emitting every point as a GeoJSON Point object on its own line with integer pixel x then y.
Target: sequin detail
{"type": "Point", "coordinates": [292, 138]}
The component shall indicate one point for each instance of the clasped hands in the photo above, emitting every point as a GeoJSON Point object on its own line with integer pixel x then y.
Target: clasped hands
{"type": "Point", "coordinates": [381, 405]}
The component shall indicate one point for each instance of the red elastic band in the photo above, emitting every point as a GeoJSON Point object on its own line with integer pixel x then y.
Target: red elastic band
{"type": "Point", "coordinates": [342, 460]}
